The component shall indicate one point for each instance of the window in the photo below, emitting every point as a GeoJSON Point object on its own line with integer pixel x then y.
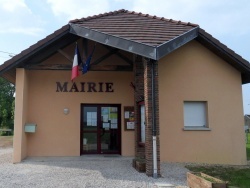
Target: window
{"type": "Point", "coordinates": [195, 114]}
{"type": "Point", "coordinates": [141, 123]}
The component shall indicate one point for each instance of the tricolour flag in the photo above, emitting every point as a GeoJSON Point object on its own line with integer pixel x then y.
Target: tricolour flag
{"type": "Point", "coordinates": [76, 62]}
{"type": "Point", "coordinates": [85, 66]}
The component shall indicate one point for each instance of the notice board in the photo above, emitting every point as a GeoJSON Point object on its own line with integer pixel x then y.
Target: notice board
{"type": "Point", "coordinates": [129, 118]}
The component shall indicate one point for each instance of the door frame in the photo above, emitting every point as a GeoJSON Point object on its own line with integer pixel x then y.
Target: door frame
{"type": "Point", "coordinates": [99, 105]}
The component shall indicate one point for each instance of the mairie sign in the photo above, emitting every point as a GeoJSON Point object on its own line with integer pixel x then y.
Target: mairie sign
{"type": "Point", "coordinates": [84, 87]}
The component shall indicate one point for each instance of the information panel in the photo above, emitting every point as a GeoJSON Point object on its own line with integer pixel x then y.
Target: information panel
{"type": "Point", "coordinates": [129, 118]}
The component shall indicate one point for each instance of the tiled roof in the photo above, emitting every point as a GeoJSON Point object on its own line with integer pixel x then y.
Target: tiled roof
{"type": "Point", "coordinates": [137, 28]}
{"type": "Point", "coordinates": [143, 28]}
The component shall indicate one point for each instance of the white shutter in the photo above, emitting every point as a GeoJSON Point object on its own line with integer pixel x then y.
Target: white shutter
{"type": "Point", "coordinates": [195, 114]}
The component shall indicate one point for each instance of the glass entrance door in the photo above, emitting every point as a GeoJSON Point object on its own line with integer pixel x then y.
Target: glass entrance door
{"type": "Point", "coordinates": [100, 129]}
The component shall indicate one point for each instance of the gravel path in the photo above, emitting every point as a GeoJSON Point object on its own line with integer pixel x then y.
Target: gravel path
{"type": "Point", "coordinates": [5, 156]}
{"type": "Point", "coordinates": [84, 171]}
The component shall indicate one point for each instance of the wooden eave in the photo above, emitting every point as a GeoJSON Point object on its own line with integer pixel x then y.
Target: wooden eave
{"type": "Point", "coordinates": [38, 52]}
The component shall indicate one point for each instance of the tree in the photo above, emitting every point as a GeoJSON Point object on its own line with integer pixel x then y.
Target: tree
{"type": "Point", "coordinates": [7, 91]}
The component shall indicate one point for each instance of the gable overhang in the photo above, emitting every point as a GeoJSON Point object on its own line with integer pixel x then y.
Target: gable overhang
{"type": "Point", "coordinates": [226, 54]}
{"type": "Point", "coordinates": [148, 51]}
{"type": "Point", "coordinates": [176, 42]}
{"type": "Point", "coordinates": [38, 52]}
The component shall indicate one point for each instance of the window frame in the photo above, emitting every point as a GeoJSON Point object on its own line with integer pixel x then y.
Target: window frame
{"type": "Point", "coordinates": [197, 128]}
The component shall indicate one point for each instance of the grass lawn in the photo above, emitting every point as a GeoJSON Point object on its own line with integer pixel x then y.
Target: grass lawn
{"type": "Point", "coordinates": [6, 141]}
{"type": "Point", "coordinates": [248, 147]}
{"type": "Point", "coordinates": [239, 177]}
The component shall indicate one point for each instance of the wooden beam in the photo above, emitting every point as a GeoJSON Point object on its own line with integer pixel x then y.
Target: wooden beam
{"type": "Point", "coordinates": [127, 60]}
{"type": "Point", "coordinates": [50, 67]}
{"type": "Point", "coordinates": [85, 47]}
{"type": "Point", "coordinates": [111, 52]}
{"type": "Point", "coordinates": [65, 55]}
{"type": "Point", "coordinates": [92, 67]}
{"type": "Point", "coordinates": [111, 68]}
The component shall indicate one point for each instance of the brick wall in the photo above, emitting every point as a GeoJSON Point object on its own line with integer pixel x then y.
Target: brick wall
{"type": "Point", "coordinates": [148, 113]}
{"type": "Point", "coordinates": [138, 96]}
{"type": "Point", "coordinates": [143, 84]}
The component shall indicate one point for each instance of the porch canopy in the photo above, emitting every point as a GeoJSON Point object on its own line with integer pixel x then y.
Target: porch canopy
{"type": "Point", "coordinates": [141, 34]}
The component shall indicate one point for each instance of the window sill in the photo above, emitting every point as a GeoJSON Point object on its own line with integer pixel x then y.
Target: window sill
{"type": "Point", "coordinates": [196, 129]}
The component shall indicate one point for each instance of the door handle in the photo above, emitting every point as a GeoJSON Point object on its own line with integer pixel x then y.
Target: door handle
{"type": "Point", "coordinates": [103, 132]}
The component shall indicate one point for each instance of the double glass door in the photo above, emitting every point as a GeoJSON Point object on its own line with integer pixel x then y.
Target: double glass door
{"type": "Point", "coordinates": [100, 129]}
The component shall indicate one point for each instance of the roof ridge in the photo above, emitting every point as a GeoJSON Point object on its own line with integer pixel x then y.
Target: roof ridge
{"type": "Point", "coordinates": [135, 13]}
{"type": "Point", "coordinates": [98, 16]}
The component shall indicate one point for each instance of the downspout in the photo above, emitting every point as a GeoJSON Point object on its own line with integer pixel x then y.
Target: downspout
{"type": "Point", "coordinates": [153, 121]}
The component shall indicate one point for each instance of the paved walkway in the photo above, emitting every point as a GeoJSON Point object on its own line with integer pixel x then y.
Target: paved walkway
{"type": "Point", "coordinates": [84, 171]}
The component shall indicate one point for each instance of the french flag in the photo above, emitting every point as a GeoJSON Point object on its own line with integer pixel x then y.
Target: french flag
{"type": "Point", "coordinates": [76, 63]}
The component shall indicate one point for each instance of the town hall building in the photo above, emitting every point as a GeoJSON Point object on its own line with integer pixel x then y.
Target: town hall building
{"type": "Point", "coordinates": [157, 89]}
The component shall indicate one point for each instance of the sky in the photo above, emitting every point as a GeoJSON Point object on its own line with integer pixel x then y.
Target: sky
{"type": "Point", "coordinates": [24, 22]}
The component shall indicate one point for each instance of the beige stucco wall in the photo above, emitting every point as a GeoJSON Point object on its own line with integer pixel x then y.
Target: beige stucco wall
{"type": "Point", "coordinates": [59, 134]}
{"type": "Point", "coordinates": [21, 101]}
{"type": "Point", "coordinates": [193, 73]}
{"type": "Point", "coordinates": [38, 102]}
{"type": "Point", "coordinates": [190, 73]}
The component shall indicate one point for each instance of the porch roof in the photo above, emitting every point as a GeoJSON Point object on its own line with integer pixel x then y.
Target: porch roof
{"type": "Point", "coordinates": [149, 36]}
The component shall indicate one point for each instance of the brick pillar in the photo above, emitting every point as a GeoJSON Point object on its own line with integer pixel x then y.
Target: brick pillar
{"type": "Point", "coordinates": [148, 111]}
{"type": "Point", "coordinates": [138, 96]}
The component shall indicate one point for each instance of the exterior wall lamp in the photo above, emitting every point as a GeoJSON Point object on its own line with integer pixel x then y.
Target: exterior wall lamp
{"type": "Point", "coordinates": [66, 111]}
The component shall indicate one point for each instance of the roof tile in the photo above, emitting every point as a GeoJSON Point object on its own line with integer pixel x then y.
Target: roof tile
{"type": "Point", "coordinates": [121, 23]}
{"type": "Point", "coordinates": [138, 27]}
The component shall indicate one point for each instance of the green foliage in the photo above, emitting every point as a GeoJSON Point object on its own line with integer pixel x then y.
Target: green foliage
{"type": "Point", "coordinates": [5, 133]}
{"type": "Point", "coordinates": [248, 147]}
{"type": "Point", "coordinates": [7, 91]}
{"type": "Point", "coordinates": [235, 176]}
